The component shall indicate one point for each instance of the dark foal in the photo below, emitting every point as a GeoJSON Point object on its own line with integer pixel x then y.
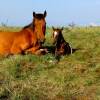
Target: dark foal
{"type": "Point", "coordinates": [61, 46]}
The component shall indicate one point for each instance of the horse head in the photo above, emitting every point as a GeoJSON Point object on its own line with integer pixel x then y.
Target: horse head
{"type": "Point", "coordinates": [39, 26]}
{"type": "Point", "coordinates": [57, 34]}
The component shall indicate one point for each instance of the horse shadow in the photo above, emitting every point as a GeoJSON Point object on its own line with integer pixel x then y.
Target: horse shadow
{"type": "Point", "coordinates": [51, 50]}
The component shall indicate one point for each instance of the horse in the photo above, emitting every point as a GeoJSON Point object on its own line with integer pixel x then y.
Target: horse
{"type": "Point", "coordinates": [61, 46]}
{"type": "Point", "coordinates": [28, 40]}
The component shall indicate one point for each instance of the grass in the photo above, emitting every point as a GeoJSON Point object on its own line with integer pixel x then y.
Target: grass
{"type": "Point", "coordinates": [74, 77]}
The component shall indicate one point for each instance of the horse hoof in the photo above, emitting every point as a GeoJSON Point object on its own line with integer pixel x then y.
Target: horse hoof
{"type": "Point", "coordinates": [27, 52]}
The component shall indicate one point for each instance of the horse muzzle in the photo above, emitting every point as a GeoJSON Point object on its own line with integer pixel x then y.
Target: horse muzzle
{"type": "Point", "coordinates": [42, 41]}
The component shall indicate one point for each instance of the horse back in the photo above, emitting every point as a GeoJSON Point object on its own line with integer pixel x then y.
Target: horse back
{"type": "Point", "coordinates": [6, 40]}
{"type": "Point", "coordinates": [13, 42]}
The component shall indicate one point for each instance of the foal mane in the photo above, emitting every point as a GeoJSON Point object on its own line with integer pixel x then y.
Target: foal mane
{"type": "Point", "coordinates": [60, 38]}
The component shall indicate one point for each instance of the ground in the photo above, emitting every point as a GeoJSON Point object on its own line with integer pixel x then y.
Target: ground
{"type": "Point", "coordinates": [74, 77]}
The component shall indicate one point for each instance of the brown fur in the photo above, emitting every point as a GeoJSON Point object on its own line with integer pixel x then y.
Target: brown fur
{"type": "Point", "coordinates": [29, 39]}
{"type": "Point", "coordinates": [61, 46]}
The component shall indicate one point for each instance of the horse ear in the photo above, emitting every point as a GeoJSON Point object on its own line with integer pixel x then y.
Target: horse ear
{"type": "Point", "coordinates": [33, 14]}
{"type": "Point", "coordinates": [45, 13]}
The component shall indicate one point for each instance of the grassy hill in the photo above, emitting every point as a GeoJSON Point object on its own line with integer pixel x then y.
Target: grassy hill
{"type": "Point", "coordinates": [74, 77]}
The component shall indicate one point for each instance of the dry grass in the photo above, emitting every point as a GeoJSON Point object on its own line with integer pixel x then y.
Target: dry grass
{"type": "Point", "coordinates": [75, 77]}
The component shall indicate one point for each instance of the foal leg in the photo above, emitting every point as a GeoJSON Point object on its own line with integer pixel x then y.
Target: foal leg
{"type": "Point", "coordinates": [57, 54]}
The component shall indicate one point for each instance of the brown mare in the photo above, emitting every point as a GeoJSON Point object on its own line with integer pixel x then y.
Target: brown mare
{"type": "Point", "coordinates": [28, 40]}
{"type": "Point", "coordinates": [61, 46]}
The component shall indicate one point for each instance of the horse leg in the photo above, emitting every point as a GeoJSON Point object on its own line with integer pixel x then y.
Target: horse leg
{"type": "Point", "coordinates": [16, 50]}
{"type": "Point", "coordinates": [36, 50]}
{"type": "Point", "coordinates": [32, 50]}
{"type": "Point", "coordinates": [41, 51]}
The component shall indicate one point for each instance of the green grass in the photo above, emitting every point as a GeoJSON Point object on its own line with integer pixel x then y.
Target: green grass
{"type": "Point", "coordinates": [74, 77]}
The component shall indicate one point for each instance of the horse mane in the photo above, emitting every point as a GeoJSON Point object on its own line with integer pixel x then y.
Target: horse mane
{"type": "Point", "coordinates": [31, 26]}
{"type": "Point", "coordinates": [39, 16]}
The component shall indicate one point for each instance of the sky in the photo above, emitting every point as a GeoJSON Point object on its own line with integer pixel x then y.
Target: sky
{"type": "Point", "coordinates": [59, 12]}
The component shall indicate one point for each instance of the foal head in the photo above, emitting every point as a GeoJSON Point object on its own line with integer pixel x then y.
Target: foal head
{"type": "Point", "coordinates": [57, 34]}
{"type": "Point", "coordinates": [39, 25]}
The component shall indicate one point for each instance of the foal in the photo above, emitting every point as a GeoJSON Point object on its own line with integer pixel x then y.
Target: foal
{"type": "Point", "coordinates": [61, 46]}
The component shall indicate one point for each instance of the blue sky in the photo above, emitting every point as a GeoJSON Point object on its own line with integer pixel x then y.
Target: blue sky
{"type": "Point", "coordinates": [60, 12]}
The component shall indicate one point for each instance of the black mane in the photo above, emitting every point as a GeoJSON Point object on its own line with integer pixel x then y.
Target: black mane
{"type": "Point", "coordinates": [31, 26]}
{"type": "Point", "coordinates": [27, 26]}
{"type": "Point", "coordinates": [39, 16]}
{"type": "Point", "coordinates": [60, 40]}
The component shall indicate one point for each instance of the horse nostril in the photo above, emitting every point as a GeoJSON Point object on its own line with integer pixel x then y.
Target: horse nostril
{"type": "Point", "coordinates": [43, 41]}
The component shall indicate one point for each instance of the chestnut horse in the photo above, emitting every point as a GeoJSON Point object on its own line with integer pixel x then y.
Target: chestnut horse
{"type": "Point", "coordinates": [29, 39]}
{"type": "Point", "coordinates": [61, 46]}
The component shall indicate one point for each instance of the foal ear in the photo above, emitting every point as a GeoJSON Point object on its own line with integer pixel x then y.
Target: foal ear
{"type": "Point", "coordinates": [34, 14]}
{"type": "Point", "coordinates": [45, 13]}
